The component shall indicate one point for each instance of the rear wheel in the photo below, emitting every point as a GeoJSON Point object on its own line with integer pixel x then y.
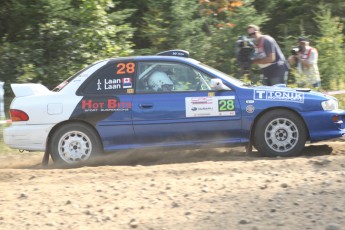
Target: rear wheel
{"type": "Point", "coordinates": [74, 143]}
{"type": "Point", "coordinates": [280, 133]}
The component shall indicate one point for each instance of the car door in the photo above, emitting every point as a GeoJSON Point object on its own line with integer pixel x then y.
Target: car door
{"type": "Point", "coordinates": [107, 103]}
{"type": "Point", "coordinates": [189, 114]}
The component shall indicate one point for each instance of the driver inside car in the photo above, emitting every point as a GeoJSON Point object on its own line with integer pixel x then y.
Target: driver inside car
{"type": "Point", "coordinates": [159, 81]}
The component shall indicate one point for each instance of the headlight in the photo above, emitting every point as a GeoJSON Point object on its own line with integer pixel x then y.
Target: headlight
{"type": "Point", "coordinates": [329, 104]}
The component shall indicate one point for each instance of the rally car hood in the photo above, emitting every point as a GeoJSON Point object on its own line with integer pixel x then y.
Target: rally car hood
{"type": "Point", "coordinates": [29, 89]}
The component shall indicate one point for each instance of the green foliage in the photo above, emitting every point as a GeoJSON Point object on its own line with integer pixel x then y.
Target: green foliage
{"type": "Point", "coordinates": [49, 40]}
{"type": "Point", "coordinates": [295, 17]}
{"type": "Point", "coordinates": [183, 24]}
{"type": "Point", "coordinates": [222, 54]}
{"type": "Point", "coordinates": [173, 24]}
{"type": "Point", "coordinates": [330, 46]}
{"type": "Point", "coordinates": [55, 38]}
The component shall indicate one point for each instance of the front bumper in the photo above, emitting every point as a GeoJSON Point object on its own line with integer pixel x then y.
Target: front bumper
{"type": "Point", "coordinates": [27, 137]}
{"type": "Point", "coordinates": [323, 125]}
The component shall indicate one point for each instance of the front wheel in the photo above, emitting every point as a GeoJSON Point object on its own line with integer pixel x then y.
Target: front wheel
{"type": "Point", "coordinates": [74, 143]}
{"type": "Point", "coordinates": [280, 133]}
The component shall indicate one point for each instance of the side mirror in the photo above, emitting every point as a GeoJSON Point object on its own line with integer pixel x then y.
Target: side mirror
{"type": "Point", "coordinates": [217, 84]}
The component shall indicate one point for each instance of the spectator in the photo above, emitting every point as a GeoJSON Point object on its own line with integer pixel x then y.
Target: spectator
{"type": "Point", "coordinates": [269, 57]}
{"type": "Point", "coordinates": [305, 61]}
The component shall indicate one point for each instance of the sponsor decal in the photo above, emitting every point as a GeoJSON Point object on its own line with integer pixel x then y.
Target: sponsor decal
{"type": "Point", "coordinates": [250, 101]}
{"type": "Point", "coordinates": [278, 95]}
{"type": "Point", "coordinates": [127, 82]}
{"type": "Point", "coordinates": [112, 105]}
{"type": "Point", "coordinates": [250, 108]}
{"type": "Point", "coordinates": [200, 100]}
{"type": "Point", "coordinates": [210, 106]}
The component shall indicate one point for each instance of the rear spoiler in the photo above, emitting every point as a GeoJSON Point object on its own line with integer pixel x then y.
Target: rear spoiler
{"type": "Point", "coordinates": [29, 89]}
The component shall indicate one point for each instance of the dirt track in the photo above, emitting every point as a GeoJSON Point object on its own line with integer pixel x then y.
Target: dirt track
{"type": "Point", "coordinates": [200, 189]}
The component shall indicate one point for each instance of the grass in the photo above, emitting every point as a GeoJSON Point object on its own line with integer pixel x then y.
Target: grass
{"type": "Point", "coordinates": [5, 150]}
{"type": "Point", "coordinates": [341, 98]}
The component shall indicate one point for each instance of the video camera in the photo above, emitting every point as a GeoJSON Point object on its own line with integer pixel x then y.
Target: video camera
{"type": "Point", "coordinates": [295, 50]}
{"type": "Point", "coordinates": [245, 50]}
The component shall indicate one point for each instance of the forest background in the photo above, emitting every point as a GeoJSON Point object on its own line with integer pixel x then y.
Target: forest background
{"type": "Point", "coordinates": [46, 41]}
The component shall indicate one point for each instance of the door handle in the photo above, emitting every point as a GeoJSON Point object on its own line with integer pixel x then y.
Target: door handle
{"type": "Point", "coordinates": [145, 106]}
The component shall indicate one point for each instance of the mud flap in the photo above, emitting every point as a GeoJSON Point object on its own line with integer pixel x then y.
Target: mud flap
{"type": "Point", "coordinates": [249, 148]}
{"type": "Point", "coordinates": [249, 145]}
{"type": "Point", "coordinates": [45, 159]}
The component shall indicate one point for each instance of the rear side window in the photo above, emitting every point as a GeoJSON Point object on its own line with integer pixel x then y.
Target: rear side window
{"type": "Point", "coordinates": [114, 78]}
{"type": "Point", "coordinates": [86, 72]}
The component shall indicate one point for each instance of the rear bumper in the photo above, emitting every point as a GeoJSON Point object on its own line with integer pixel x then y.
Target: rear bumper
{"type": "Point", "coordinates": [27, 137]}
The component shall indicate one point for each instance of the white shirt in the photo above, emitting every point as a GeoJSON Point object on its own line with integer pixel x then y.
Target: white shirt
{"type": "Point", "coordinates": [310, 55]}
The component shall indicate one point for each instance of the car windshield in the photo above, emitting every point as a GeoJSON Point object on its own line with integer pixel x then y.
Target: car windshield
{"type": "Point", "coordinates": [86, 72]}
{"type": "Point", "coordinates": [225, 76]}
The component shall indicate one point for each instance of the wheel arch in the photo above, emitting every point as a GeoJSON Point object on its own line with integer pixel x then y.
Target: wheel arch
{"type": "Point", "coordinates": [257, 118]}
{"type": "Point", "coordinates": [57, 126]}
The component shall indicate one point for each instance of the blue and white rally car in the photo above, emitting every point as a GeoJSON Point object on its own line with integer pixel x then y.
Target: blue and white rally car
{"type": "Point", "coordinates": [165, 100]}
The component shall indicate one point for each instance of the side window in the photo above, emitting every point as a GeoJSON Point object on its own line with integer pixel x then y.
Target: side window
{"type": "Point", "coordinates": [171, 77]}
{"type": "Point", "coordinates": [114, 78]}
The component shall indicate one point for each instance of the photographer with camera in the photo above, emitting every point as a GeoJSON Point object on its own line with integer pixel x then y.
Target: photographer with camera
{"type": "Point", "coordinates": [268, 57]}
{"type": "Point", "coordinates": [304, 58]}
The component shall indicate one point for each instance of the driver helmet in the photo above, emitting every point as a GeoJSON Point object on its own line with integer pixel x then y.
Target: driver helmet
{"type": "Point", "coordinates": [159, 81]}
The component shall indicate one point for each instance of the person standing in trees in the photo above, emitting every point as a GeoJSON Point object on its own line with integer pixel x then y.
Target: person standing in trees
{"type": "Point", "coordinates": [305, 61]}
{"type": "Point", "coordinates": [268, 57]}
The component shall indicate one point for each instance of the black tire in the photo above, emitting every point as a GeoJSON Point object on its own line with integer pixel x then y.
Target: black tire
{"type": "Point", "coordinates": [280, 133]}
{"type": "Point", "coordinates": [74, 144]}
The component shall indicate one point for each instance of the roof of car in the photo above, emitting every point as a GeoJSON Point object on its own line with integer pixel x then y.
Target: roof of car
{"type": "Point", "coordinates": [169, 55]}
{"type": "Point", "coordinates": [155, 58]}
